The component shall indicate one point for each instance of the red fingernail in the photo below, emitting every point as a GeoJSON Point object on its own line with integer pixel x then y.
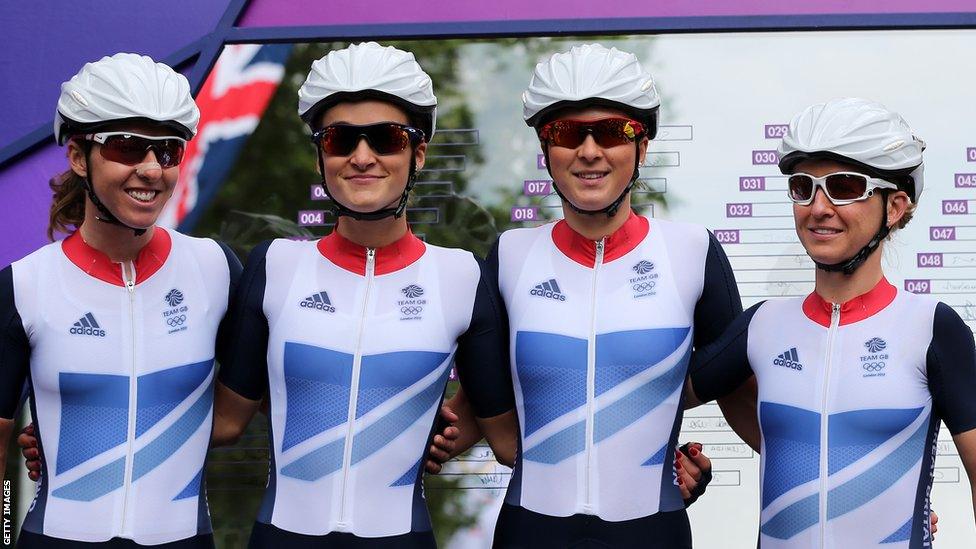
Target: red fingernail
{"type": "Point", "coordinates": [694, 451]}
{"type": "Point", "coordinates": [677, 466]}
{"type": "Point", "coordinates": [680, 481]}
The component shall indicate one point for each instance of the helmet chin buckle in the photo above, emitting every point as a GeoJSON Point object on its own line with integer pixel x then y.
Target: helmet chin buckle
{"type": "Point", "coordinates": [149, 170]}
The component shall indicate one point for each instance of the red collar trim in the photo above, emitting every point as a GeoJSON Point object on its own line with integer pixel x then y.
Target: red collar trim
{"type": "Point", "coordinates": [863, 306]}
{"type": "Point", "coordinates": [352, 257]}
{"type": "Point", "coordinates": [151, 258]}
{"type": "Point", "coordinates": [583, 250]}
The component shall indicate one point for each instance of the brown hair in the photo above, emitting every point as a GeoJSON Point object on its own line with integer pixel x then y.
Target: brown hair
{"type": "Point", "coordinates": [68, 204]}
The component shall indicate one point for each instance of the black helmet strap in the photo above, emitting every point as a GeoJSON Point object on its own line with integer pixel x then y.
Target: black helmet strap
{"type": "Point", "coordinates": [851, 264]}
{"type": "Point", "coordinates": [339, 209]}
{"type": "Point", "coordinates": [104, 214]}
{"type": "Point", "coordinates": [611, 209]}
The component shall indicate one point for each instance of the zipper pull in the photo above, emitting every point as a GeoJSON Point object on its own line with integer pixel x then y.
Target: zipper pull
{"type": "Point", "coordinates": [370, 261]}
{"type": "Point", "coordinates": [130, 279]}
{"type": "Point", "coordinates": [834, 314]}
{"type": "Point", "coordinates": [599, 249]}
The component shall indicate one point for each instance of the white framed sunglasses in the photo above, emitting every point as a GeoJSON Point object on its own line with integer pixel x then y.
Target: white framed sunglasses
{"type": "Point", "coordinates": [841, 188]}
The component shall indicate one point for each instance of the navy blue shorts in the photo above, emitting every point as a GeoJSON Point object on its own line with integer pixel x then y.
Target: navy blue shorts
{"type": "Point", "coordinates": [519, 528]}
{"type": "Point", "coordinates": [268, 536]}
{"type": "Point", "coordinates": [30, 540]}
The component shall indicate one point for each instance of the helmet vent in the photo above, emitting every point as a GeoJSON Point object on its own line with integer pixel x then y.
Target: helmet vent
{"type": "Point", "coordinates": [79, 98]}
{"type": "Point", "coordinates": [894, 145]}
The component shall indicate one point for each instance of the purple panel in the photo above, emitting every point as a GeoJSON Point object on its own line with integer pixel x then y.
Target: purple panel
{"type": "Point", "coordinates": [26, 201]}
{"type": "Point", "coordinates": [276, 13]}
{"type": "Point", "coordinates": [45, 43]}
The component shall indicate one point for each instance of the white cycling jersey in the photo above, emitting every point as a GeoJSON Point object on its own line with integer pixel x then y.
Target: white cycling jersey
{"type": "Point", "coordinates": [601, 333]}
{"type": "Point", "coordinates": [354, 347]}
{"type": "Point", "coordinates": [851, 397]}
{"type": "Point", "coordinates": [120, 375]}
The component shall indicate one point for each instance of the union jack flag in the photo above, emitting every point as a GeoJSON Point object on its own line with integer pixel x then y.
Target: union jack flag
{"type": "Point", "coordinates": [231, 102]}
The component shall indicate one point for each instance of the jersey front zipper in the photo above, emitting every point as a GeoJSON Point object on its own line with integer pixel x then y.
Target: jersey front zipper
{"type": "Point", "coordinates": [130, 286]}
{"type": "Point", "coordinates": [591, 381]}
{"type": "Point", "coordinates": [824, 421]}
{"type": "Point", "coordinates": [344, 524]}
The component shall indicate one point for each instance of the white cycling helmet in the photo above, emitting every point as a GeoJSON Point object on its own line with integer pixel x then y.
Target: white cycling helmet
{"type": "Point", "coordinates": [125, 87]}
{"type": "Point", "coordinates": [859, 132]}
{"type": "Point", "coordinates": [369, 70]}
{"type": "Point", "coordinates": [591, 75]}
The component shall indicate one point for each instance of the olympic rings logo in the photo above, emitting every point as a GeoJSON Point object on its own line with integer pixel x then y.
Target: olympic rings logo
{"type": "Point", "coordinates": [411, 311]}
{"type": "Point", "coordinates": [873, 366]}
{"type": "Point", "coordinates": [644, 286]}
{"type": "Point", "coordinates": [176, 320]}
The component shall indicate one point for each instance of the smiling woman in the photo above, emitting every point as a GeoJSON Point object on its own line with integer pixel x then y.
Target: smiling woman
{"type": "Point", "coordinates": [857, 377]}
{"type": "Point", "coordinates": [353, 337]}
{"type": "Point", "coordinates": [378, 154]}
{"type": "Point", "coordinates": [115, 329]}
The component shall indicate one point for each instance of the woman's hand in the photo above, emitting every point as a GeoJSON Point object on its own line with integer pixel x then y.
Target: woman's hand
{"type": "Point", "coordinates": [693, 470]}
{"type": "Point", "coordinates": [444, 441]}
{"type": "Point", "coordinates": [32, 454]}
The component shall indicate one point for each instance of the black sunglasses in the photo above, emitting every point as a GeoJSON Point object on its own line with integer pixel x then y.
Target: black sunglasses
{"type": "Point", "coordinates": [384, 138]}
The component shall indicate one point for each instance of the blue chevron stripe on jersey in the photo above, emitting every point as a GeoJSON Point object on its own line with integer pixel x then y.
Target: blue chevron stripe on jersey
{"type": "Point", "coordinates": [410, 477]}
{"type": "Point", "coordinates": [170, 440]}
{"type": "Point", "coordinates": [94, 416]}
{"type": "Point", "coordinates": [384, 430]}
{"type": "Point", "coordinates": [94, 485]}
{"type": "Point", "coordinates": [317, 463]}
{"type": "Point", "coordinates": [641, 401]}
{"type": "Point", "coordinates": [317, 384]}
{"type": "Point", "coordinates": [852, 494]}
{"type": "Point", "coordinates": [868, 485]}
{"type": "Point", "coordinates": [794, 519]}
{"type": "Point", "coordinates": [791, 437]}
{"type": "Point", "coordinates": [386, 375]}
{"type": "Point", "coordinates": [657, 458]}
{"type": "Point", "coordinates": [622, 355]}
{"type": "Point", "coordinates": [903, 533]}
{"type": "Point", "coordinates": [568, 442]}
{"type": "Point", "coordinates": [192, 489]}
{"type": "Point", "coordinates": [160, 392]}
{"type": "Point", "coordinates": [327, 459]}
{"type": "Point", "coordinates": [552, 374]}
{"type": "Point", "coordinates": [857, 433]}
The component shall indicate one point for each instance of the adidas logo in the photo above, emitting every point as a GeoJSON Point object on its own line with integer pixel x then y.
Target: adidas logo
{"type": "Point", "coordinates": [549, 289]}
{"type": "Point", "coordinates": [788, 359]}
{"type": "Point", "coordinates": [87, 325]}
{"type": "Point", "coordinates": [319, 301]}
